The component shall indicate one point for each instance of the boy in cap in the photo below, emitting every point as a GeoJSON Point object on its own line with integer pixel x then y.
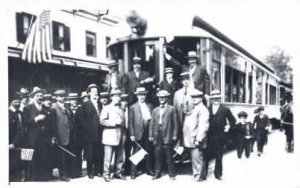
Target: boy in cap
{"type": "Point", "coordinates": [261, 125]}
{"type": "Point", "coordinates": [244, 133]}
{"type": "Point", "coordinates": [163, 133]}
{"type": "Point", "coordinates": [195, 134]}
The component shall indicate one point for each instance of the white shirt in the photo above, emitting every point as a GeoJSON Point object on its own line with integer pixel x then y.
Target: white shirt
{"type": "Point", "coordinates": [96, 106]}
{"type": "Point", "coordinates": [161, 113]}
{"type": "Point", "coordinates": [137, 73]}
{"type": "Point", "coordinates": [170, 80]}
{"type": "Point", "coordinates": [191, 84]}
{"type": "Point", "coordinates": [38, 106]}
{"type": "Point", "coordinates": [113, 81]}
{"type": "Point", "coordinates": [145, 111]}
{"type": "Point", "coordinates": [61, 105]}
{"type": "Point", "coordinates": [215, 108]}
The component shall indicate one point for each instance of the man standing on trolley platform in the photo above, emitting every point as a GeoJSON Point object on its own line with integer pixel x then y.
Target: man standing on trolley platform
{"type": "Point", "coordinates": [219, 115]}
{"type": "Point", "coordinates": [136, 78]}
{"type": "Point", "coordinates": [114, 79]}
{"type": "Point", "coordinates": [169, 84]}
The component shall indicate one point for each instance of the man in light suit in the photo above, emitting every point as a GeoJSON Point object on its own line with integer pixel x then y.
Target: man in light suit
{"type": "Point", "coordinates": [90, 131]}
{"type": "Point", "coordinates": [219, 115]}
{"type": "Point", "coordinates": [195, 134]}
{"type": "Point", "coordinates": [198, 74]}
{"type": "Point", "coordinates": [139, 121]}
{"type": "Point", "coordinates": [136, 78]}
{"type": "Point", "coordinates": [113, 121]}
{"type": "Point", "coordinates": [64, 126]}
{"type": "Point", "coordinates": [114, 79]}
{"type": "Point", "coordinates": [163, 133]}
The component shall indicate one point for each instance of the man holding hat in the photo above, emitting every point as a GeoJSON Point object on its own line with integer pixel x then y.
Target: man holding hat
{"type": "Point", "coordinates": [114, 79]}
{"type": "Point", "coordinates": [219, 115]}
{"type": "Point", "coordinates": [136, 78]}
{"type": "Point", "coordinates": [199, 78]}
{"type": "Point", "coordinates": [163, 132]}
{"type": "Point", "coordinates": [169, 84]}
{"type": "Point", "coordinates": [24, 98]}
{"type": "Point", "coordinates": [261, 125]}
{"type": "Point", "coordinates": [139, 121]}
{"type": "Point", "coordinates": [113, 121]}
{"type": "Point", "coordinates": [36, 121]}
{"type": "Point", "coordinates": [16, 137]}
{"type": "Point", "coordinates": [64, 127]}
{"type": "Point", "coordinates": [91, 132]}
{"type": "Point", "coordinates": [195, 128]}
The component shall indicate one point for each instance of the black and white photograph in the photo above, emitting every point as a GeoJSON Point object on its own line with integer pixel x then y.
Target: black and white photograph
{"type": "Point", "coordinates": [150, 93]}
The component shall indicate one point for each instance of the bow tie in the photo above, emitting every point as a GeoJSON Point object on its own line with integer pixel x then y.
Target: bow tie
{"type": "Point", "coordinates": [162, 106]}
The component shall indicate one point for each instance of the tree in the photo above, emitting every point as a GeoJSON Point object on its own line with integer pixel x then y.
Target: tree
{"type": "Point", "coordinates": [280, 62]}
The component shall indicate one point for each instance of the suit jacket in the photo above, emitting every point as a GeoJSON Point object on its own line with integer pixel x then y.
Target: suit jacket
{"type": "Point", "coordinates": [90, 129]}
{"type": "Point", "coordinates": [218, 121]}
{"type": "Point", "coordinates": [15, 128]}
{"type": "Point", "coordinates": [35, 131]}
{"type": "Point", "coordinates": [136, 122]}
{"type": "Point", "coordinates": [64, 123]}
{"type": "Point", "coordinates": [242, 130]}
{"type": "Point", "coordinates": [195, 127]}
{"type": "Point", "coordinates": [132, 82]}
{"type": "Point", "coordinates": [179, 104]}
{"type": "Point", "coordinates": [201, 79]}
{"type": "Point", "coordinates": [119, 79]}
{"type": "Point", "coordinates": [169, 127]}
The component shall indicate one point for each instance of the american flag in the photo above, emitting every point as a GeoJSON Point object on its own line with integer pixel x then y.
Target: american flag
{"type": "Point", "coordinates": [26, 154]}
{"type": "Point", "coordinates": [37, 47]}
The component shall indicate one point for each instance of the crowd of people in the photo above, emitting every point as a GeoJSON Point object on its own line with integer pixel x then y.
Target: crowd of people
{"type": "Point", "coordinates": [106, 128]}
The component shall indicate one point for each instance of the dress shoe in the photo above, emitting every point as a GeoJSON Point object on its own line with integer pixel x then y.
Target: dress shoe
{"type": "Point", "coordinates": [65, 178]}
{"type": "Point", "coordinates": [121, 177]}
{"type": "Point", "coordinates": [219, 178]}
{"type": "Point", "coordinates": [107, 179]}
{"type": "Point", "coordinates": [156, 176]}
{"type": "Point", "coordinates": [172, 178]}
{"type": "Point", "coordinates": [98, 174]}
{"type": "Point", "coordinates": [132, 177]}
{"type": "Point", "coordinates": [150, 173]}
{"type": "Point", "coordinates": [91, 176]}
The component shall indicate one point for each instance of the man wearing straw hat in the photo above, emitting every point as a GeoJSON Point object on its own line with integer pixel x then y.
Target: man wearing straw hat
{"type": "Point", "coordinates": [163, 132]}
{"type": "Point", "coordinates": [139, 121]}
{"type": "Point", "coordinates": [169, 84]}
{"type": "Point", "coordinates": [113, 121]}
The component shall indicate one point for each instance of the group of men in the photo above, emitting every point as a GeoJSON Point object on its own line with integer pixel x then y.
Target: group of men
{"type": "Point", "coordinates": [113, 125]}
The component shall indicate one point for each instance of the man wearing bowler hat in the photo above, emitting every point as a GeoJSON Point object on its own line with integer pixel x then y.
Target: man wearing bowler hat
{"type": "Point", "coordinates": [199, 78]}
{"type": "Point", "coordinates": [114, 79]}
{"type": "Point", "coordinates": [91, 132]}
{"type": "Point", "coordinates": [195, 128]}
{"type": "Point", "coordinates": [139, 121]}
{"type": "Point", "coordinates": [163, 132]}
{"type": "Point", "coordinates": [64, 127]}
{"type": "Point", "coordinates": [136, 78]}
{"type": "Point", "coordinates": [219, 115]}
{"type": "Point", "coordinates": [36, 121]}
{"type": "Point", "coordinates": [169, 84]}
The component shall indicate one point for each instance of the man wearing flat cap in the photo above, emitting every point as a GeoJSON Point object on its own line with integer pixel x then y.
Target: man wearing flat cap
{"type": "Point", "coordinates": [199, 78]}
{"type": "Point", "coordinates": [136, 78]}
{"type": "Point", "coordinates": [37, 122]}
{"type": "Point", "coordinates": [163, 133]}
{"type": "Point", "coordinates": [169, 84]}
{"type": "Point", "coordinates": [113, 121]}
{"type": "Point", "coordinates": [64, 127]}
{"type": "Point", "coordinates": [261, 125]}
{"type": "Point", "coordinates": [114, 79]}
{"type": "Point", "coordinates": [218, 129]}
{"type": "Point", "coordinates": [195, 128]}
{"type": "Point", "coordinates": [139, 121]}
{"type": "Point", "coordinates": [91, 132]}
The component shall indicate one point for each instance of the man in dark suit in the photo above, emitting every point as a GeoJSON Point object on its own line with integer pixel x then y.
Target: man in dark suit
{"type": "Point", "coordinates": [139, 121]}
{"type": "Point", "coordinates": [198, 74]}
{"type": "Point", "coordinates": [91, 131]}
{"type": "Point", "coordinates": [39, 125]}
{"type": "Point", "coordinates": [64, 127]}
{"type": "Point", "coordinates": [114, 79]}
{"type": "Point", "coordinates": [163, 133]}
{"type": "Point", "coordinates": [15, 139]}
{"type": "Point", "coordinates": [169, 84]}
{"type": "Point", "coordinates": [219, 115]}
{"type": "Point", "coordinates": [136, 78]}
